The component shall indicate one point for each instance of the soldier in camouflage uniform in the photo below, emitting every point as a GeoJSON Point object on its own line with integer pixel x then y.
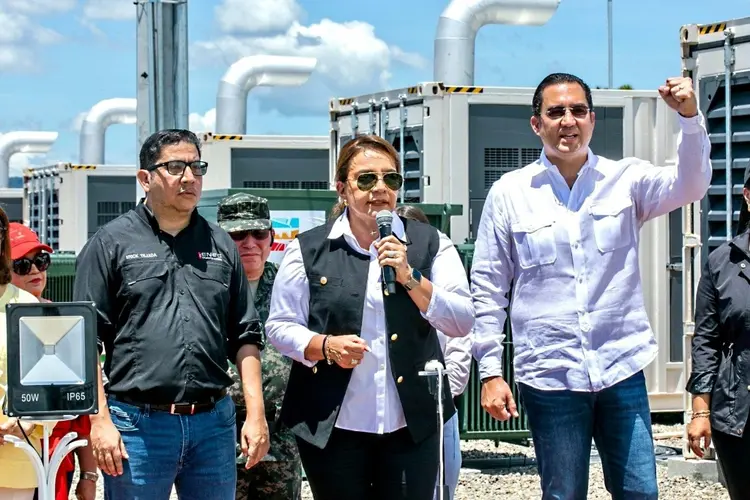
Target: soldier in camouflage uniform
{"type": "Point", "coordinates": [279, 475]}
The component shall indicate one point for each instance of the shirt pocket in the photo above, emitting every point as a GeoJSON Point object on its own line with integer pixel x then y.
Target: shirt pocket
{"type": "Point", "coordinates": [534, 238]}
{"type": "Point", "coordinates": [612, 224]}
{"type": "Point", "coordinates": [212, 283]}
{"type": "Point", "coordinates": [145, 283]}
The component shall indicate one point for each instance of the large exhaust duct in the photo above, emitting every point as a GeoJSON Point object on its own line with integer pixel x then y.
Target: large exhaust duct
{"type": "Point", "coordinates": [22, 142]}
{"type": "Point", "coordinates": [99, 118]}
{"type": "Point", "coordinates": [462, 19]}
{"type": "Point", "coordinates": [254, 71]}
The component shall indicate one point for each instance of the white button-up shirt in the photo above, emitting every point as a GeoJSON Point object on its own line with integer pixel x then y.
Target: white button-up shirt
{"type": "Point", "coordinates": [371, 403]}
{"type": "Point", "coordinates": [577, 314]}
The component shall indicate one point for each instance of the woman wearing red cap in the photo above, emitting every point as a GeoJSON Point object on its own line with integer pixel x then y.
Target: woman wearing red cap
{"type": "Point", "coordinates": [30, 261]}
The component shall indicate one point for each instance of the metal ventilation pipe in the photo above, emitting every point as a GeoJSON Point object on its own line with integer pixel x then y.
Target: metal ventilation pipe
{"type": "Point", "coordinates": [100, 116]}
{"type": "Point", "coordinates": [253, 71]}
{"type": "Point", "coordinates": [22, 142]}
{"type": "Point", "coordinates": [462, 19]}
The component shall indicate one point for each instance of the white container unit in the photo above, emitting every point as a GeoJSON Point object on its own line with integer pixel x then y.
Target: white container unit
{"type": "Point", "coordinates": [265, 161]}
{"type": "Point", "coordinates": [66, 203]}
{"type": "Point", "coordinates": [11, 201]}
{"type": "Point", "coordinates": [717, 58]}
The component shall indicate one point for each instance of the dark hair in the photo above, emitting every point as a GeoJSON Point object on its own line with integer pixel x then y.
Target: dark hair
{"type": "Point", "coordinates": [411, 212]}
{"type": "Point", "coordinates": [555, 79]}
{"type": "Point", "coordinates": [154, 144]}
{"type": "Point", "coordinates": [6, 265]}
{"type": "Point", "coordinates": [350, 150]}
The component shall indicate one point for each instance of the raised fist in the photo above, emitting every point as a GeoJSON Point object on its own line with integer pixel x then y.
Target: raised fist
{"type": "Point", "coordinates": [679, 95]}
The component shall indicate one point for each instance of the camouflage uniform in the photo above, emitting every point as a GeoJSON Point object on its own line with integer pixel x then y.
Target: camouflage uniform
{"type": "Point", "coordinates": [279, 475]}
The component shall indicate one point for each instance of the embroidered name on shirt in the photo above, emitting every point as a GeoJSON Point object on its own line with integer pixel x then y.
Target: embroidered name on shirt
{"type": "Point", "coordinates": [210, 256]}
{"type": "Point", "coordinates": [140, 256]}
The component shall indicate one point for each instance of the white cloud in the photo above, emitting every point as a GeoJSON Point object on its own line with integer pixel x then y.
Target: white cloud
{"type": "Point", "coordinates": [19, 35]}
{"type": "Point", "coordinates": [202, 123]}
{"type": "Point", "coordinates": [256, 16]}
{"type": "Point", "coordinates": [38, 6]}
{"type": "Point", "coordinates": [351, 60]}
{"type": "Point", "coordinates": [111, 10]}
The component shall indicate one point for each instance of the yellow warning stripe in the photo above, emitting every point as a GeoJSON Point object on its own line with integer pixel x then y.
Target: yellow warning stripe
{"type": "Point", "coordinates": [712, 28]}
{"type": "Point", "coordinates": [413, 90]}
{"type": "Point", "coordinates": [82, 167]}
{"type": "Point", "coordinates": [346, 102]}
{"type": "Point", "coordinates": [464, 90]}
{"type": "Point", "coordinates": [224, 137]}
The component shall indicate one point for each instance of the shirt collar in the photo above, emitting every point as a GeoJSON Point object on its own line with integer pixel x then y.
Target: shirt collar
{"type": "Point", "coordinates": [341, 227]}
{"type": "Point", "coordinates": [592, 161]}
{"type": "Point", "coordinates": [147, 215]}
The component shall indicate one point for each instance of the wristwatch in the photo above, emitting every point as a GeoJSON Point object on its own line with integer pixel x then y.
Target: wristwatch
{"type": "Point", "coordinates": [90, 476]}
{"type": "Point", "coordinates": [414, 280]}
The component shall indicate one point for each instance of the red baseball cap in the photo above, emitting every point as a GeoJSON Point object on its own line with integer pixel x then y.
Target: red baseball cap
{"type": "Point", "coordinates": [23, 240]}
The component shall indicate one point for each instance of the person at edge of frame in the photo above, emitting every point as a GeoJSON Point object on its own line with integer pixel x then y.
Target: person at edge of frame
{"type": "Point", "coordinates": [30, 261]}
{"type": "Point", "coordinates": [174, 306]}
{"type": "Point", "coordinates": [721, 357]}
{"type": "Point", "coordinates": [565, 231]}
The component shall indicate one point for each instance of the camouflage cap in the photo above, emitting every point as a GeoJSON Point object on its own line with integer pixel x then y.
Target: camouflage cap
{"type": "Point", "coordinates": [243, 212]}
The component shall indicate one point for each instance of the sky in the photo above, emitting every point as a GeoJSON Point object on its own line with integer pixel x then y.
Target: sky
{"type": "Point", "coordinates": [60, 57]}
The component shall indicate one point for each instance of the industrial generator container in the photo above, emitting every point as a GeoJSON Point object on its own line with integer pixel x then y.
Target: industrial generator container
{"type": "Point", "coordinates": [267, 162]}
{"type": "Point", "coordinates": [66, 203]}
{"type": "Point", "coordinates": [717, 58]}
{"type": "Point", "coordinates": [11, 201]}
{"type": "Point", "coordinates": [457, 141]}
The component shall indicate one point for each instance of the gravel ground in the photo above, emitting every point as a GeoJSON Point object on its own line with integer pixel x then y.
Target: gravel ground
{"type": "Point", "coordinates": [522, 483]}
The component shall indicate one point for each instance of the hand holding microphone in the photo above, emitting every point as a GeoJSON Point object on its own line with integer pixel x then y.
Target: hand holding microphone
{"type": "Point", "coordinates": [391, 253]}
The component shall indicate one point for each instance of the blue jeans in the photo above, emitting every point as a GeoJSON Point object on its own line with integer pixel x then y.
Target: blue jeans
{"type": "Point", "coordinates": [452, 453]}
{"type": "Point", "coordinates": [196, 453]}
{"type": "Point", "coordinates": [618, 418]}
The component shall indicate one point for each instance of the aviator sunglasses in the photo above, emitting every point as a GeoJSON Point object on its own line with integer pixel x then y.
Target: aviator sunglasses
{"type": "Point", "coordinates": [22, 267]}
{"type": "Point", "coordinates": [177, 167]}
{"type": "Point", "coordinates": [577, 110]}
{"type": "Point", "coordinates": [368, 180]}
{"type": "Point", "coordinates": [258, 234]}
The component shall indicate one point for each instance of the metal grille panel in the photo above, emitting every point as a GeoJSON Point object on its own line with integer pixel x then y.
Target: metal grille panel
{"type": "Point", "coordinates": [257, 184]}
{"type": "Point", "coordinates": [714, 203]}
{"type": "Point", "coordinates": [499, 161]}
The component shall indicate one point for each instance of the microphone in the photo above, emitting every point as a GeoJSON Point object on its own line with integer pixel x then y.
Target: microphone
{"type": "Point", "coordinates": [384, 218]}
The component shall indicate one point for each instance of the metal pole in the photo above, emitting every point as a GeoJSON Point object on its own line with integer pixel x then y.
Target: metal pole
{"type": "Point", "coordinates": [609, 43]}
{"type": "Point", "coordinates": [401, 148]}
{"type": "Point", "coordinates": [181, 111]}
{"type": "Point", "coordinates": [162, 79]}
{"type": "Point", "coordinates": [728, 63]}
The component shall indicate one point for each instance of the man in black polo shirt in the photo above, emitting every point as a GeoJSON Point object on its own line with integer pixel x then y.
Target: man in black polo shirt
{"type": "Point", "coordinates": [174, 305]}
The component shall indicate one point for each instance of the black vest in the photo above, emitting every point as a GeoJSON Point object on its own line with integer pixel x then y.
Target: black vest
{"type": "Point", "coordinates": [337, 277]}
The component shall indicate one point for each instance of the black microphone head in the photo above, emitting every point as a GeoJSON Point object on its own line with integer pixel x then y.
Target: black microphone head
{"type": "Point", "coordinates": [384, 218]}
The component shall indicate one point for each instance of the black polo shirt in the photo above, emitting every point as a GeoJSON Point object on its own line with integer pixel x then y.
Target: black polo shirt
{"type": "Point", "coordinates": [172, 309]}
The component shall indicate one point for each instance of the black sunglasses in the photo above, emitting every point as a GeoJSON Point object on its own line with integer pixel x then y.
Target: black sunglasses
{"type": "Point", "coordinates": [577, 110]}
{"type": "Point", "coordinates": [258, 234]}
{"type": "Point", "coordinates": [368, 180]}
{"type": "Point", "coordinates": [177, 167]}
{"type": "Point", "coordinates": [22, 267]}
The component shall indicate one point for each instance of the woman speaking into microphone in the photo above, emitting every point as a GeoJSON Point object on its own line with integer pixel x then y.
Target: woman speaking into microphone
{"type": "Point", "coordinates": [365, 421]}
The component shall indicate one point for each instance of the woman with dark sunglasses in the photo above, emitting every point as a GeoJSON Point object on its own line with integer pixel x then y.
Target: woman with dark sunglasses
{"type": "Point", "coordinates": [30, 259]}
{"type": "Point", "coordinates": [364, 418]}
